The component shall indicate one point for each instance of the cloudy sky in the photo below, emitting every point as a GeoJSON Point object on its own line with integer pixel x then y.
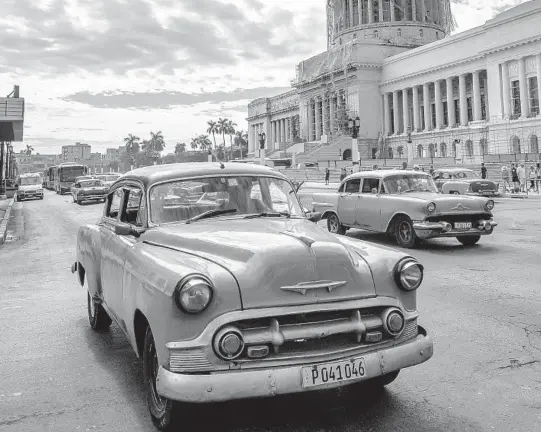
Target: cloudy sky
{"type": "Point", "coordinates": [97, 70]}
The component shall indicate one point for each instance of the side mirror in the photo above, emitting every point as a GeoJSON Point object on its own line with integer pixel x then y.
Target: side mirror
{"type": "Point", "coordinates": [125, 230]}
{"type": "Point", "coordinates": [314, 216]}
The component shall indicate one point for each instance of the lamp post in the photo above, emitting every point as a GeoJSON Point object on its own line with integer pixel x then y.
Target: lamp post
{"type": "Point", "coordinates": [354, 126]}
{"type": "Point", "coordinates": [262, 138]}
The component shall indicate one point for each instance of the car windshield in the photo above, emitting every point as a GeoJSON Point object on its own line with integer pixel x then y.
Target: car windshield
{"type": "Point", "coordinates": [181, 200]}
{"type": "Point", "coordinates": [403, 183]}
{"type": "Point", "coordinates": [30, 180]}
{"type": "Point", "coordinates": [91, 183]}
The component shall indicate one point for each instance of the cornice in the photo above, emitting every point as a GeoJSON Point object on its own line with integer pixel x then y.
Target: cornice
{"type": "Point", "coordinates": [512, 45]}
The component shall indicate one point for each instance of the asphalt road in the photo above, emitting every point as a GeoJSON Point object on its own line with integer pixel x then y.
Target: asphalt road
{"type": "Point", "coordinates": [481, 305]}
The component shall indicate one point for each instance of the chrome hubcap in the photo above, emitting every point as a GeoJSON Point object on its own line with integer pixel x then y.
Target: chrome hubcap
{"type": "Point", "coordinates": [405, 232]}
{"type": "Point", "coordinates": [159, 401]}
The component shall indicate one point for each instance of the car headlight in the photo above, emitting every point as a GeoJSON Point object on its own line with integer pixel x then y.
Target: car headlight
{"type": "Point", "coordinates": [489, 205]}
{"type": "Point", "coordinates": [408, 274]}
{"type": "Point", "coordinates": [193, 294]}
{"type": "Point", "coordinates": [431, 207]}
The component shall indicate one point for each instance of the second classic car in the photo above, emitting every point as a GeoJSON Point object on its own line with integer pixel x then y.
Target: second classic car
{"type": "Point", "coordinates": [405, 204]}
{"type": "Point", "coordinates": [29, 186]}
{"type": "Point", "coordinates": [89, 189]}
{"type": "Point", "coordinates": [239, 294]}
{"type": "Point", "coordinates": [463, 181]}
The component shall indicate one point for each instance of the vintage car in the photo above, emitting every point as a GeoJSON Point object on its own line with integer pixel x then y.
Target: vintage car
{"type": "Point", "coordinates": [108, 179]}
{"type": "Point", "coordinates": [89, 189]}
{"type": "Point", "coordinates": [238, 296]}
{"type": "Point", "coordinates": [29, 186]}
{"type": "Point", "coordinates": [405, 204]}
{"type": "Point", "coordinates": [463, 181]}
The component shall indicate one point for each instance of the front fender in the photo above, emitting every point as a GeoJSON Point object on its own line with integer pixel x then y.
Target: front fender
{"type": "Point", "coordinates": [89, 257]}
{"type": "Point", "coordinates": [150, 278]}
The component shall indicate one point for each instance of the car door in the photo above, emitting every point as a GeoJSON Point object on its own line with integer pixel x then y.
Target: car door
{"type": "Point", "coordinates": [368, 209]}
{"type": "Point", "coordinates": [347, 201]}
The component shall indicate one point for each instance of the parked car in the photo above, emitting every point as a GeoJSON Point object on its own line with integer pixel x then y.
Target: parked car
{"type": "Point", "coordinates": [463, 181]}
{"type": "Point", "coordinates": [91, 189]}
{"type": "Point", "coordinates": [240, 294]}
{"type": "Point", "coordinates": [108, 179]}
{"type": "Point", "coordinates": [405, 204]}
{"type": "Point", "coordinates": [29, 186]}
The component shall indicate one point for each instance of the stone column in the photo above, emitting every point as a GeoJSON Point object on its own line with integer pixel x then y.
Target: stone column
{"type": "Point", "coordinates": [416, 109]}
{"type": "Point", "coordinates": [331, 114]}
{"type": "Point", "coordinates": [506, 90]}
{"type": "Point", "coordinates": [310, 121]}
{"type": "Point", "coordinates": [350, 13]}
{"type": "Point", "coordinates": [325, 111]}
{"type": "Point", "coordinates": [524, 105]}
{"type": "Point", "coordinates": [476, 96]}
{"type": "Point", "coordinates": [318, 119]}
{"type": "Point", "coordinates": [439, 107]}
{"type": "Point", "coordinates": [387, 108]}
{"type": "Point", "coordinates": [414, 10]}
{"type": "Point", "coordinates": [462, 98]}
{"type": "Point", "coordinates": [393, 11]}
{"type": "Point", "coordinates": [450, 103]}
{"type": "Point", "coordinates": [380, 10]}
{"type": "Point", "coordinates": [426, 106]}
{"type": "Point", "coordinates": [396, 113]}
{"type": "Point", "coordinates": [405, 109]}
{"type": "Point", "coordinates": [423, 11]}
{"type": "Point", "coordinates": [538, 61]}
{"type": "Point", "coordinates": [370, 12]}
{"type": "Point", "coordinates": [284, 130]}
{"type": "Point", "coordinates": [360, 10]}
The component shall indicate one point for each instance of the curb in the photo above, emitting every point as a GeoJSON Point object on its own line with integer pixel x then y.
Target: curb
{"type": "Point", "coordinates": [5, 220]}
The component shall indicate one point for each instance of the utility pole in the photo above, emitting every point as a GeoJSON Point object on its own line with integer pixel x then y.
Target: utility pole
{"type": "Point", "coordinates": [2, 188]}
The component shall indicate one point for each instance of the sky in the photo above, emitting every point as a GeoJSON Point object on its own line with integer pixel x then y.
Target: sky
{"type": "Point", "coordinates": [95, 71]}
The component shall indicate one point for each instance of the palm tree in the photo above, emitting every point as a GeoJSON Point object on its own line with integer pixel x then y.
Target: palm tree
{"type": "Point", "coordinates": [194, 143]}
{"type": "Point", "coordinates": [180, 148]}
{"type": "Point", "coordinates": [231, 132]}
{"type": "Point", "coordinates": [241, 140]}
{"type": "Point", "coordinates": [157, 142]}
{"type": "Point", "coordinates": [223, 127]}
{"type": "Point", "coordinates": [29, 149]}
{"type": "Point", "coordinates": [132, 144]}
{"type": "Point", "coordinates": [212, 129]}
{"type": "Point", "coordinates": [204, 142]}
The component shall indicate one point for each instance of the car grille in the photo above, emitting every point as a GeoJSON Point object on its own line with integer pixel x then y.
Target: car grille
{"type": "Point", "coordinates": [194, 360]}
{"type": "Point", "coordinates": [452, 218]}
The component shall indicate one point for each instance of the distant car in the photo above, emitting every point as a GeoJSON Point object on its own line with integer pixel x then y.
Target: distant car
{"type": "Point", "coordinates": [29, 186]}
{"type": "Point", "coordinates": [108, 179]}
{"type": "Point", "coordinates": [239, 294]}
{"type": "Point", "coordinates": [463, 181]}
{"type": "Point", "coordinates": [85, 177]}
{"type": "Point", "coordinates": [405, 204]}
{"type": "Point", "coordinates": [88, 189]}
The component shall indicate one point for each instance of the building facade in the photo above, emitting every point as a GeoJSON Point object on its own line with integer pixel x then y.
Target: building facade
{"type": "Point", "coordinates": [417, 91]}
{"type": "Point", "coordinates": [76, 153]}
{"type": "Point", "coordinates": [35, 162]}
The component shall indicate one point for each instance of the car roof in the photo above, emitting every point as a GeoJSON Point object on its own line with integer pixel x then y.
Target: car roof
{"type": "Point", "coordinates": [453, 169]}
{"type": "Point", "coordinates": [384, 173]}
{"type": "Point", "coordinates": [29, 175]}
{"type": "Point", "coordinates": [158, 173]}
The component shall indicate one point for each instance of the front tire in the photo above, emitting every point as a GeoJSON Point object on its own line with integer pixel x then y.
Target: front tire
{"type": "Point", "coordinates": [334, 226]}
{"type": "Point", "coordinates": [98, 318]}
{"type": "Point", "coordinates": [404, 233]}
{"type": "Point", "coordinates": [469, 240]}
{"type": "Point", "coordinates": [161, 409]}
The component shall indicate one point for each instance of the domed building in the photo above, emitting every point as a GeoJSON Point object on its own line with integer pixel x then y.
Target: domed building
{"type": "Point", "coordinates": [415, 91]}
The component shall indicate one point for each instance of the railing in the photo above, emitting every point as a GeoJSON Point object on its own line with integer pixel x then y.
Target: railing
{"type": "Point", "coordinates": [12, 108]}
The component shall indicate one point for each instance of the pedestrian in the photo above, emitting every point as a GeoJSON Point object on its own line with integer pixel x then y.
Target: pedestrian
{"type": "Point", "coordinates": [514, 177]}
{"type": "Point", "coordinates": [505, 179]}
{"type": "Point", "coordinates": [343, 174]}
{"type": "Point", "coordinates": [327, 175]}
{"type": "Point", "coordinates": [521, 173]}
{"type": "Point", "coordinates": [375, 168]}
{"type": "Point", "coordinates": [538, 173]}
{"type": "Point", "coordinates": [404, 165]}
{"type": "Point", "coordinates": [483, 171]}
{"type": "Point", "coordinates": [532, 176]}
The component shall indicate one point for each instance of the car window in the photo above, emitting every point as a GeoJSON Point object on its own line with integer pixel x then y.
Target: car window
{"type": "Point", "coordinates": [132, 212]}
{"type": "Point", "coordinates": [369, 184]}
{"type": "Point", "coordinates": [113, 201]}
{"type": "Point", "coordinates": [353, 186]}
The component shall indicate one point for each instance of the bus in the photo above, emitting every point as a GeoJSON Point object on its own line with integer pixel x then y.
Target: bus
{"type": "Point", "coordinates": [65, 174]}
{"type": "Point", "coordinates": [49, 178]}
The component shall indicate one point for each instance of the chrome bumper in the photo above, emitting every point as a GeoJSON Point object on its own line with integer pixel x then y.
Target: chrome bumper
{"type": "Point", "coordinates": [91, 197]}
{"type": "Point", "coordinates": [426, 230]}
{"type": "Point", "coordinates": [484, 194]}
{"type": "Point", "coordinates": [245, 384]}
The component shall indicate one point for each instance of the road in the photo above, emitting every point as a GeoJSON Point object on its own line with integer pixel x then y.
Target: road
{"type": "Point", "coordinates": [481, 305]}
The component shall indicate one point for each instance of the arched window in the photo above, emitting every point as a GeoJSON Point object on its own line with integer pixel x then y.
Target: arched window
{"type": "Point", "coordinates": [420, 151]}
{"type": "Point", "coordinates": [515, 144]}
{"type": "Point", "coordinates": [346, 155]}
{"type": "Point", "coordinates": [483, 145]}
{"type": "Point", "coordinates": [534, 144]}
{"type": "Point", "coordinates": [399, 32]}
{"type": "Point", "coordinates": [431, 150]}
{"type": "Point", "coordinates": [469, 148]}
{"type": "Point", "coordinates": [400, 151]}
{"type": "Point", "coordinates": [443, 150]}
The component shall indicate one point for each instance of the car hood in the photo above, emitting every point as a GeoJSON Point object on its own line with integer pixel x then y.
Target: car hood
{"type": "Point", "coordinates": [30, 188]}
{"type": "Point", "coordinates": [449, 203]}
{"type": "Point", "coordinates": [276, 261]}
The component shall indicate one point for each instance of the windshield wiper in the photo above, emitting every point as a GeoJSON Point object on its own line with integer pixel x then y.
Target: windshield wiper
{"type": "Point", "coordinates": [268, 214]}
{"type": "Point", "coordinates": [211, 213]}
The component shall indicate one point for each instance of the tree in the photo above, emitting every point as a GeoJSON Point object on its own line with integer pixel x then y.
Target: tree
{"type": "Point", "coordinates": [231, 132]}
{"type": "Point", "coordinates": [157, 142]}
{"type": "Point", "coordinates": [223, 125]}
{"type": "Point", "coordinates": [213, 129]}
{"type": "Point", "coordinates": [29, 149]}
{"type": "Point", "coordinates": [132, 148]}
{"type": "Point", "coordinates": [180, 148]}
{"type": "Point", "coordinates": [241, 140]}
{"type": "Point", "coordinates": [204, 142]}
{"type": "Point", "coordinates": [194, 143]}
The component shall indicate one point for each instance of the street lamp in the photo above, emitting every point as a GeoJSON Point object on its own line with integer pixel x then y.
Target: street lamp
{"type": "Point", "coordinates": [262, 138]}
{"type": "Point", "coordinates": [354, 126]}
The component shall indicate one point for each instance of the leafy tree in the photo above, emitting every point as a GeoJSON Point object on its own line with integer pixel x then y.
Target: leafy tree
{"type": "Point", "coordinates": [230, 130]}
{"type": "Point", "coordinates": [29, 149]}
{"type": "Point", "coordinates": [213, 129]}
{"type": "Point", "coordinates": [223, 127]}
{"type": "Point", "coordinates": [180, 148]}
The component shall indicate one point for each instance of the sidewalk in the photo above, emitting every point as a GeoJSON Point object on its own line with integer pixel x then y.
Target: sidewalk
{"type": "Point", "coordinates": [5, 213]}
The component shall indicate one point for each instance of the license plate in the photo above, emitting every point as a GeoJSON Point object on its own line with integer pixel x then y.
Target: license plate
{"type": "Point", "coordinates": [463, 225]}
{"type": "Point", "coordinates": [328, 373]}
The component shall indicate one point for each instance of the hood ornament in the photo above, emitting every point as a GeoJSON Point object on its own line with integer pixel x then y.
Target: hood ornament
{"type": "Point", "coordinates": [308, 241]}
{"type": "Point", "coordinates": [302, 287]}
{"type": "Point", "coordinates": [460, 207]}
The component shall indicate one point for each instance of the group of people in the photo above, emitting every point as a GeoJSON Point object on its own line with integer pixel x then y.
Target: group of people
{"type": "Point", "coordinates": [519, 179]}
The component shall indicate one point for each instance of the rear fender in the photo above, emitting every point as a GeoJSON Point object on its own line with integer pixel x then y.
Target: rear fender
{"type": "Point", "coordinates": [89, 257]}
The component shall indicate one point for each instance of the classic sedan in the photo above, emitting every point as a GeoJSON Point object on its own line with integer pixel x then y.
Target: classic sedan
{"type": "Point", "coordinates": [405, 204]}
{"type": "Point", "coordinates": [90, 189]}
{"type": "Point", "coordinates": [463, 181]}
{"type": "Point", "coordinates": [243, 296]}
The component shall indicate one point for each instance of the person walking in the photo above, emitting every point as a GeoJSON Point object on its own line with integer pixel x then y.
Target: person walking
{"type": "Point", "coordinates": [505, 179]}
{"type": "Point", "coordinates": [521, 174]}
{"type": "Point", "coordinates": [532, 176]}
{"type": "Point", "coordinates": [343, 174]}
{"type": "Point", "coordinates": [327, 175]}
{"type": "Point", "coordinates": [514, 177]}
{"type": "Point", "coordinates": [483, 171]}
